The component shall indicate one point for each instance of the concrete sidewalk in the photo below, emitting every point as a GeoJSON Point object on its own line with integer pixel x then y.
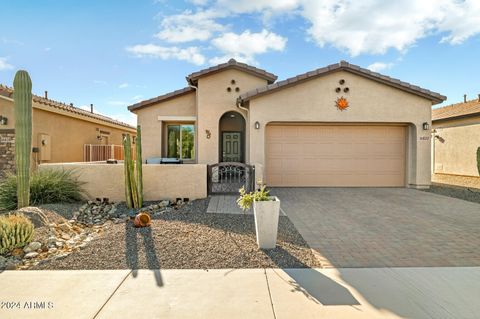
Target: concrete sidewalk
{"type": "Point", "coordinates": [243, 293]}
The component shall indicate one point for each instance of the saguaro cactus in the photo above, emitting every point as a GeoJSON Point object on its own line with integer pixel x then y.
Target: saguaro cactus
{"type": "Point", "coordinates": [22, 99]}
{"type": "Point", "coordinates": [138, 167]}
{"type": "Point", "coordinates": [133, 173]}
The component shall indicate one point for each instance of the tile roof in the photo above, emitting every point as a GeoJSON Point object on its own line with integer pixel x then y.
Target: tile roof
{"type": "Point", "coordinates": [469, 108]}
{"type": "Point", "coordinates": [8, 92]}
{"type": "Point", "coordinates": [160, 98]}
{"type": "Point", "coordinates": [232, 63]}
{"type": "Point", "coordinates": [343, 65]}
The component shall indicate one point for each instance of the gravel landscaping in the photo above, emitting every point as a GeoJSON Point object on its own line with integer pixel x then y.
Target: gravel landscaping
{"type": "Point", "coordinates": [187, 238]}
{"type": "Point", "coordinates": [468, 194]}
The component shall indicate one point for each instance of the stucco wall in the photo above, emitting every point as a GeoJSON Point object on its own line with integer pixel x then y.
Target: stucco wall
{"type": "Point", "coordinates": [370, 102]}
{"type": "Point", "coordinates": [182, 106]}
{"type": "Point", "coordinates": [159, 181]}
{"type": "Point", "coordinates": [455, 149]}
{"type": "Point", "coordinates": [6, 110]}
{"type": "Point", "coordinates": [7, 151]}
{"type": "Point", "coordinates": [213, 101]}
{"type": "Point", "coordinates": [67, 134]}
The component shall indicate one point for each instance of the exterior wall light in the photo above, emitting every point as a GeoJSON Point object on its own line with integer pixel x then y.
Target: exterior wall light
{"type": "Point", "coordinates": [426, 126]}
{"type": "Point", "coordinates": [207, 132]}
{"type": "Point", "coordinates": [3, 120]}
{"type": "Point", "coordinates": [257, 125]}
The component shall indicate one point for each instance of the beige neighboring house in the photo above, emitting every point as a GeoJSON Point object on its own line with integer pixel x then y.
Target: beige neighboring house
{"type": "Point", "coordinates": [340, 125]}
{"type": "Point", "coordinates": [60, 132]}
{"type": "Point", "coordinates": [457, 138]}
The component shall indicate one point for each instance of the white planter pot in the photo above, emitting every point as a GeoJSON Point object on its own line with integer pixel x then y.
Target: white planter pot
{"type": "Point", "coordinates": [266, 222]}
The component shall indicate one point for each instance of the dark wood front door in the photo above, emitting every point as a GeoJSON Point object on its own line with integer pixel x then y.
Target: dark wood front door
{"type": "Point", "coordinates": [231, 147]}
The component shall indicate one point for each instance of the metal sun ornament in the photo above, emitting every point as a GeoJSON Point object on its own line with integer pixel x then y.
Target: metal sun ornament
{"type": "Point", "coordinates": [341, 103]}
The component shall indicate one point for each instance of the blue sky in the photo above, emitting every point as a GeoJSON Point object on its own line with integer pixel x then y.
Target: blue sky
{"type": "Point", "coordinates": [115, 53]}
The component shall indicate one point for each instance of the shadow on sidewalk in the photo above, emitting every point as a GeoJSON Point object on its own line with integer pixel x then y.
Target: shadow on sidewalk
{"type": "Point", "coordinates": [131, 250]}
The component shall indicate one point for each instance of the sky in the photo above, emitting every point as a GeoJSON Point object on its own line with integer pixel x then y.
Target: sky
{"type": "Point", "coordinates": [116, 53]}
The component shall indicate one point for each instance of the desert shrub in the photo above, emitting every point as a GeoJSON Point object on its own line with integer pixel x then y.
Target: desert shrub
{"type": "Point", "coordinates": [16, 231]}
{"type": "Point", "coordinates": [46, 186]}
{"type": "Point", "coordinates": [478, 160]}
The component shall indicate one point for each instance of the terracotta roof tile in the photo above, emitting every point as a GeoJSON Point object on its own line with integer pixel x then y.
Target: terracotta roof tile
{"type": "Point", "coordinates": [469, 108]}
{"type": "Point", "coordinates": [343, 65]}
{"type": "Point", "coordinates": [232, 63]}
{"type": "Point", "coordinates": [8, 92]}
{"type": "Point", "coordinates": [160, 98]}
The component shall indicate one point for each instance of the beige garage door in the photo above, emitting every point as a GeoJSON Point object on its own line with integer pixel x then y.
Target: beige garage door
{"type": "Point", "coordinates": [335, 155]}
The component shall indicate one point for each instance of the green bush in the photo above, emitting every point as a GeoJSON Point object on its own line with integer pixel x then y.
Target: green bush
{"type": "Point", "coordinates": [16, 231]}
{"type": "Point", "coordinates": [46, 186]}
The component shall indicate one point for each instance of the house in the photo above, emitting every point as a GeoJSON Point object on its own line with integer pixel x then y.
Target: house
{"type": "Point", "coordinates": [457, 138]}
{"type": "Point", "coordinates": [340, 125]}
{"type": "Point", "coordinates": [59, 131]}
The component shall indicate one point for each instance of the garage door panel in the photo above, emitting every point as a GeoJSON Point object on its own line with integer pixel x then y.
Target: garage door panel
{"type": "Point", "coordinates": [316, 155]}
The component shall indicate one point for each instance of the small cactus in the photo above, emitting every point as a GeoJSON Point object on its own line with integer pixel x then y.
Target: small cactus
{"type": "Point", "coordinates": [22, 99]}
{"type": "Point", "coordinates": [16, 231]}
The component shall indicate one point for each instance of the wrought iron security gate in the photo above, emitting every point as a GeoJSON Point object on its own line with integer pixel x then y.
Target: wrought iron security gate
{"type": "Point", "coordinates": [229, 177]}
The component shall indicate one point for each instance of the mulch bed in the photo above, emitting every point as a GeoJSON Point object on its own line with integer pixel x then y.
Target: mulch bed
{"type": "Point", "coordinates": [189, 238]}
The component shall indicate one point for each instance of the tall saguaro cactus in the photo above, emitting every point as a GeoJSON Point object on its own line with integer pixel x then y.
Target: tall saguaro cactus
{"type": "Point", "coordinates": [133, 172]}
{"type": "Point", "coordinates": [22, 99]}
{"type": "Point", "coordinates": [138, 158]}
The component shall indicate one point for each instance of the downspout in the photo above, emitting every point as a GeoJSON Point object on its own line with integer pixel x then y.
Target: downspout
{"type": "Point", "coordinates": [247, 127]}
{"type": "Point", "coordinates": [239, 105]}
{"type": "Point", "coordinates": [196, 118]}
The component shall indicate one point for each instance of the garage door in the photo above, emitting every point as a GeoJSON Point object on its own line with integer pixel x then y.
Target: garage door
{"type": "Point", "coordinates": [335, 155]}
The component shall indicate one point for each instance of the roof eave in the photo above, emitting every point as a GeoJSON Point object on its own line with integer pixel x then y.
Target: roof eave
{"type": "Point", "coordinates": [342, 66]}
{"type": "Point", "coordinates": [456, 117]}
{"type": "Point", "coordinates": [160, 99]}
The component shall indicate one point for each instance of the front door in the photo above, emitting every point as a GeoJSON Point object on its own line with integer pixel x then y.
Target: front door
{"type": "Point", "coordinates": [231, 147]}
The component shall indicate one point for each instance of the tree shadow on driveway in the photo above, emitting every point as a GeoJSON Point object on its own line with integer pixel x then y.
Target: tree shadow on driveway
{"type": "Point", "coordinates": [131, 250]}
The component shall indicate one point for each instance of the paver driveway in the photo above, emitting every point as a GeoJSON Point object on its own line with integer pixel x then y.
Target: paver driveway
{"type": "Point", "coordinates": [384, 227]}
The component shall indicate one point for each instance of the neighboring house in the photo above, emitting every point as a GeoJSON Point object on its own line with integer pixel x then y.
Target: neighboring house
{"type": "Point", "coordinates": [59, 131]}
{"type": "Point", "coordinates": [340, 125]}
{"type": "Point", "coordinates": [457, 138]}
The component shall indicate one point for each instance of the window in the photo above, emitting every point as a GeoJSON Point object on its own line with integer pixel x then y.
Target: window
{"type": "Point", "coordinates": [180, 141]}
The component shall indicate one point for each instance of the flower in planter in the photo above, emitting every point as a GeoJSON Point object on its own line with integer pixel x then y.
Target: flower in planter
{"type": "Point", "coordinates": [246, 200]}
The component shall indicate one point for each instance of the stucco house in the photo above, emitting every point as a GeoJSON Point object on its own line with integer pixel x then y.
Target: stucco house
{"type": "Point", "coordinates": [340, 125]}
{"type": "Point", "coordinates": [456, 138]}
{"type": "Point", "coordinates": [60, 132]}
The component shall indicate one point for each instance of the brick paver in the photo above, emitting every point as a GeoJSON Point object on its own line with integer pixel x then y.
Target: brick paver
{"type": "Point", "coordinates": [385, 227]}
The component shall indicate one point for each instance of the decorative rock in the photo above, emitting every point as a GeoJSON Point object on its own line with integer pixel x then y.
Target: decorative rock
{"type": "Point", "coordinates": [164, 203]}
{"type": "Point", "coordinates": [65, 227]}
{"type": "Point", "coordinates": [17, 252]}
{"type": "Point", "coordinates": [3, 262]}
{"type": "Point", "coordinates": [61, 256]}
{"type": "Point", "coordinates": [31, 255]}
{"type": "Point", "coordinates": [65, 236]}
{"type": "Point", "coordinates": [70, 242]}
{"type": "Point", "coordinates": [11, 265]}
{"type": "Point", "coordinates": [52, 250]}
{"type": "Point", "coordinates": [59, 244]}
{"type": "Point", "coordinates": [33, 246]}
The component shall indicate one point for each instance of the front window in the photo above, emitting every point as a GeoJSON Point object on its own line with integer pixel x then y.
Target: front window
{"type": "Point", "coordinates": [180, 141]}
